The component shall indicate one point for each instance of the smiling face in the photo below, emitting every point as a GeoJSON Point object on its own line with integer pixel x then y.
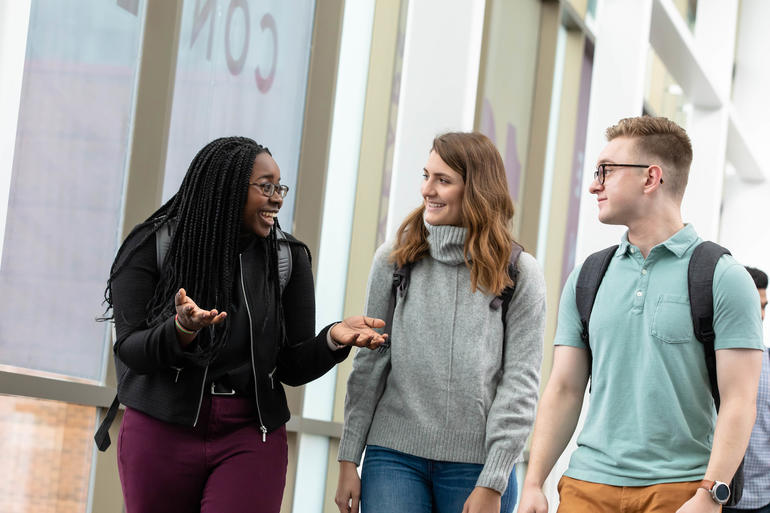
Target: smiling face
{"type": "Point", "coordinates": [260, 211]}
{"type": "Point", "coordinates": [620, 197]}
{"type": "Point", "coordinates": [442, 191]}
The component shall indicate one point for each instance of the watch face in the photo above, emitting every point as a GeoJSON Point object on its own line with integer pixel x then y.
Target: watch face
{"type": "Point", "coordinates": [721, 492]}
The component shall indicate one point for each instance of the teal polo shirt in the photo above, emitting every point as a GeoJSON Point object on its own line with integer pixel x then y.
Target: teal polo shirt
{"type": "Point", "coordinates": [650, 416]}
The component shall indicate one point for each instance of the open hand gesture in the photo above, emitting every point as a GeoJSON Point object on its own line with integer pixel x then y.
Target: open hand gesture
{"type": "Point", "coordinates": [359, 331]}
{"type": "Point", "coordinates": [191, 316]}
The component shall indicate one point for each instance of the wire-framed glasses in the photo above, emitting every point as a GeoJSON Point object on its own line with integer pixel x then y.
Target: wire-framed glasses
{"type": "Point", "coordinates": [269, 188]}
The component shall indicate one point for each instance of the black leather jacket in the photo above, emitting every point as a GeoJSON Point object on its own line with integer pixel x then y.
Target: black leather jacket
{"type": "Point", "coordinates": [156, 376]}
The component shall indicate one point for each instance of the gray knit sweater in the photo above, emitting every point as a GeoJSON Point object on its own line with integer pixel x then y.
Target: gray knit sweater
{"type": "Point", "coordinates": [452, 387]}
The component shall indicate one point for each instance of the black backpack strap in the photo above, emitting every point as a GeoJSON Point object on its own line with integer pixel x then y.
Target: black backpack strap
{"type": "Point", "coordinates": [700, 281]}
{"type": "Point", "coordinates": [504, 299]}
{"type": "Point", "coordinates": [588, 282]}
{"type": "Point", "coordinates": [398, 288]}
{"type": "Point", "coordinates": [102, 436]}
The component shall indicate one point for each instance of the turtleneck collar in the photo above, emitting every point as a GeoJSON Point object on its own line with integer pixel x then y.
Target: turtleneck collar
{"type": "Point", "coordinates": [446, 243]}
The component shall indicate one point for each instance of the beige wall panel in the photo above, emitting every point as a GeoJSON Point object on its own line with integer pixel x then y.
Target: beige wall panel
{"type": "Point", "coordinates": [107, 494]}
{"type": "Point", "coordinates": [580, 6]}
{"type": "Point", "coordinates": [332, 476]}
{"type": "Point", "coordinates": [560, 191]}
{"type": "Point", "coordinates": [532, 185]}
{"type": "Point", "coordinates": [316, 130]}
{"type": "Point", "coordinates": [506, 84]}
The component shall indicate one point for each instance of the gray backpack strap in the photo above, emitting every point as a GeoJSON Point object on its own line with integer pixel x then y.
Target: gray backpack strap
{"type": "Point", "coordinates": [284, 259]}
{"type": "Point", "coordinates": [163, 241]}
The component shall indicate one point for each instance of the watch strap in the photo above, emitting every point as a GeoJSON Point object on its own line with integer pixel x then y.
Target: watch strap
{"type": "Point", "coordinates": [707, 484]}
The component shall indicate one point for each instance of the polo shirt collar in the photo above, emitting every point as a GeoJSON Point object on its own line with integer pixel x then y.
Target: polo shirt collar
{"type": "Point", "coordinates": [678, 244]}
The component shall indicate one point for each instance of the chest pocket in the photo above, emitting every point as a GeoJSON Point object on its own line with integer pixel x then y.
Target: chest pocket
{"type": "Point", "coordinates": [672, 322]}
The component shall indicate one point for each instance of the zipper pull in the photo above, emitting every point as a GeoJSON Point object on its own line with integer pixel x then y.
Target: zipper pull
{"type": "Point", "coordinates": [264, 433]}
{"type": "Point", "coordinates": [178, 370]}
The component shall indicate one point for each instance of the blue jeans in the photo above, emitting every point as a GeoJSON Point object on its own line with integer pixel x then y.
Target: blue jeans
{"type": "Point", "coordinates": [395, 482]}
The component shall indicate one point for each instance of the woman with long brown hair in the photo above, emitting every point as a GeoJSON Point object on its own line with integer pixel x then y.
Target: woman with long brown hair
{"type": "Point", "coordinates": [445, 410]}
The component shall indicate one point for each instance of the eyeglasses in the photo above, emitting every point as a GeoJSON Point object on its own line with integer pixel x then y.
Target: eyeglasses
{"type": "Point", "coordinates": [601, 170]}
{"type": "Point", "coordinates": [269, 188]}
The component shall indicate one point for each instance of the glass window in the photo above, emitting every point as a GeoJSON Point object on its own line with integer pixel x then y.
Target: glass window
{"type": "Point", "coordinates": [688, 9]}
{"type": "Point", "coordinates": [67, 177]}
{"type": "Point", "coordinates": [47, 453]}
{"type": "Point", "coordinates": [663, 95]}
{"type": "Point", "coordinates": [241, 70]}
{"type": "Point", "coordinates": [507, 85]}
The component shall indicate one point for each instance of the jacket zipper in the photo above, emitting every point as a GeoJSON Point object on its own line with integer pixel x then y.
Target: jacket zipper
{"type": "Point", "coordinates": [200, 399]}
{"type": "Point", "coordinates": [251, 346]}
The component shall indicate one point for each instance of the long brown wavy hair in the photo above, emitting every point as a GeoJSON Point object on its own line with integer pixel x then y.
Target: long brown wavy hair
{"type": "Point", "coordinates": [487, 212]}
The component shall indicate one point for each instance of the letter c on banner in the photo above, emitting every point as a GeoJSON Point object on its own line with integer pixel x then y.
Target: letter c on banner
{"type": "Point", "coordinates": [264, 83]}
{"type": "Point", "coordinates": [236, 65]}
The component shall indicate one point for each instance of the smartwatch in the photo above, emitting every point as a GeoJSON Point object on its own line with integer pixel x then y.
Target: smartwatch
{"type": "Point", "coordinates": [720, 492]}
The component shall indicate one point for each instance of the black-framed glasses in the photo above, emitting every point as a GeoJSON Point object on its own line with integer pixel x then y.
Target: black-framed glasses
{"type": "Point", "coordinates": [269, 188]}
{"type": "Point", "coordinates": [601, 170]}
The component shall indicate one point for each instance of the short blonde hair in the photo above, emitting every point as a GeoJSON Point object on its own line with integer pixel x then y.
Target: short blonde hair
{"type": "Point", "coordinates": [661, 138]}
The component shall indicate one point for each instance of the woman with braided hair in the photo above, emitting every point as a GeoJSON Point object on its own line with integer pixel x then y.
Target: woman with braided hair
{"type": "Point", "coordinates": [207, 331]}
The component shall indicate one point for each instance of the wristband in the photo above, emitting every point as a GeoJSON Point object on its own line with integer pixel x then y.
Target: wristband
{"type": "Point", "coordinates": [182, 328]}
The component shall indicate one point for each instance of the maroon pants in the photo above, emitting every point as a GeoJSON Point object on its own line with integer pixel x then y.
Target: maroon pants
{"type": "Point", "coordinates": [221, 465]}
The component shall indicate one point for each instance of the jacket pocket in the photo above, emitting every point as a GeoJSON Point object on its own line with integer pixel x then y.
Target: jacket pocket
{"type": "Point", "coordinates": [671, 321]}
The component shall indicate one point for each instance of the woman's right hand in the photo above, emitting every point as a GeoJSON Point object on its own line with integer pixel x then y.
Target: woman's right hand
{"type": "Point", "coordinates": [348, 495]}
{"type": "Point", "coordinates": [191, 317]}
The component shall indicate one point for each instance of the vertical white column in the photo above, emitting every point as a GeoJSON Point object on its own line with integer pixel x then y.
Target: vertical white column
{"type": "Point", "coordinates": [14, 22]}
{"type": "Point", "coordinates": [746, 212]}
{"type": "Point", "coordinates": [438, 90]}
{"type": "Point", "coordinates": [617, 91]}
{"type": "Point", "coordinates": [714, 45]}
{"type": "Point", "coordinates": [752, 76]}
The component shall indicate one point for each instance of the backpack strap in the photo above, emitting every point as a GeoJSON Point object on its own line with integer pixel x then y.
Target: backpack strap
{"type": "Point", "coordinates": [102, 436]}
{"type": "Point", "coordinates": [163, 237]}
{"type": "Point", "coordinates": [588, 282]}
{"type": "Point", "coordinates": [284, 258]}
{"type": "Point", "coordinates": [504, 299]}
{"type": "Point", "coordinates": [166, 232]}
{"type": "Point", "coordinates": [700, 281]}
{"type": "Point", "coordinates": [399, 286]}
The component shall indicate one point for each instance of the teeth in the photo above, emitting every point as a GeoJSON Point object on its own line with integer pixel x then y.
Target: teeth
{"type": "Point", "coordinates": [269, 214]}
{"type": "Point", "coordinates": [435, 205]}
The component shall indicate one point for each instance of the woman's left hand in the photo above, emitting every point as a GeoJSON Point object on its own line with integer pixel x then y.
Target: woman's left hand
{"type": "Point", "coordinates": [482, 500]}
{"type": "Point", "coordinates": [359, 331]}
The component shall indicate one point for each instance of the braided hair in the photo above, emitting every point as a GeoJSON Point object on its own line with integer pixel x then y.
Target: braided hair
{"type": "Point", "coordinates": [202, 255]}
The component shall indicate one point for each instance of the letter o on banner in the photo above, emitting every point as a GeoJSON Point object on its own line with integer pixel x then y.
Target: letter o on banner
{"type": "Point", "coordinates": [264, 83]}
{"type": "Point", "coordinates": [236, 65]}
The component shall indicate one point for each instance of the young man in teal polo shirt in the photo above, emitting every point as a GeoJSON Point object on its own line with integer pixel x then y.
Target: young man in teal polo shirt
{"type": "Point", "coordinates": [651, 440]}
